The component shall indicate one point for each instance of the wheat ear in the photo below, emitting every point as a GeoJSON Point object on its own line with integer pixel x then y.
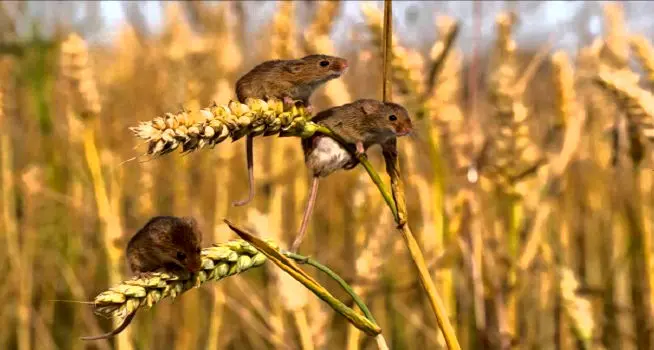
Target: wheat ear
{"type": "Point", "coordinates": [210, 126]}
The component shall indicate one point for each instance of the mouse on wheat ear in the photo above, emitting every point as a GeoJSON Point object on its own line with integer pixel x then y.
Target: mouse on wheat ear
{"type": "Point", "coordinates": [362, 124]}
{"type": "Point", "coordinates": [287, 80]}
{"type": "Point", "coordinates": [168, 242]}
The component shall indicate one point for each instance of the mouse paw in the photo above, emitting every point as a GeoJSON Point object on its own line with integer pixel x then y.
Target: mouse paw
{"type": "Point", "coordinates": [144, 275]}
{"type": "Point", "coordinates": [288, 101]}
{"type": "Point", "coordinates": [360, 151]}
{"type": "Point", "coordinates": [309, 109]}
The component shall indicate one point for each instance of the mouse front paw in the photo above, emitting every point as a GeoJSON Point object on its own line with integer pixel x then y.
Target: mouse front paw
{"type": "Point", "coordinates": [144, 275]}
{"type": "Point", "coordinates": [288, 101]}
{"type": "Point", "coordinates": [360, 151]}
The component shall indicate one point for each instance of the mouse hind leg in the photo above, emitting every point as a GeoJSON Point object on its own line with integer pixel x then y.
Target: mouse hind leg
{"type": "Point", "coordinates": [249, 145]}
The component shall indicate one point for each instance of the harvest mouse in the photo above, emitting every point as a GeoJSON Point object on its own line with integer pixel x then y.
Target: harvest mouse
{"type": "Point", "coordinates": [166, 242]}
{"type": "Point", "coordinates": [362, 123]}
{"type": "Point", "coordinates": [288, 80]}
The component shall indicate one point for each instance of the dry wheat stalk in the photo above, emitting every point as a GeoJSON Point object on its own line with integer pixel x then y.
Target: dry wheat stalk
{"type": "Point", "coordinates": [219, 261]}
{"type": "Point", "coordinates": [212, 125]}
{"type": "Point", "coordinates": [407, 80]}
{"type": "Point", "coordinates": [615, 51]}
{"type": "Point", "coordinates": [10, 233]}
{"type": "Point", "coordinates": [322, 22]}
{"type": "Point", "coordinates": [576, 308]}
{"type": "Point", "coordinates": [514, 152]}
{"type": "Point", "coordinates": [316, 40]}
{"type": "Point", "coordinates": [563, 80]}
{"type": "Point", "coordinates": [76, 69]}
{"type": "Point", "coordinates": [284, 44]}
{"type": "Point", "coordinates": [444, 100]}
{"type": "Point", "coordinates": [639, 103]}
{"type": "Point", "coordinates": [645, 54]}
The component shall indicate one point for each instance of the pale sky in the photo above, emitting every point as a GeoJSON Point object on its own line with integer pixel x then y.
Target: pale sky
{"type": "Point", "coordinates": [538, 19]}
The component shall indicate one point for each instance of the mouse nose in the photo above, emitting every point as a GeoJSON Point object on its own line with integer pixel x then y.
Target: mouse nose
{"type": "Point", "coordinates": [343, 65]}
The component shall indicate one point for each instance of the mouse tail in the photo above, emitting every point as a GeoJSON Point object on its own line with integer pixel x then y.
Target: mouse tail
{"type": "Point", "coordinates": [115, 332]}
{"type": "Point", "coordinates": [250, 162]}
{"type": "Point", "coordinates": [307, 214]}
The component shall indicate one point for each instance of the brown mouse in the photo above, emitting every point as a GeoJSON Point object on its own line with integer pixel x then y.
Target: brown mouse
{"type": "Point", "coordinates": [362, 123]}
{"type": "Point", "coordinates": [288, 80]}
{"type": "Point", "coordinates": [166, 242]}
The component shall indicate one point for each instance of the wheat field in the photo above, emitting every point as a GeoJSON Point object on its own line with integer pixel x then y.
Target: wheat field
{"type": "Point", "coordinates": [528, 182]}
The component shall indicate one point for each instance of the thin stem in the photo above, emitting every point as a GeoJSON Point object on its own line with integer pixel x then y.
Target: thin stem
{"type": "Point", "coordinates": [366, 325]}
{"type": "Point", "coordinates": [309, 261]}
{"type": "Point", "coordinates": [387, 42]}
{"type": "Point", "coordinates": [393, 170]}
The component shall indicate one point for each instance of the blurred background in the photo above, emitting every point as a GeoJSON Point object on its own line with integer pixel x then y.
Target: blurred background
{"type": "Point", "coordinates": [529, 177]}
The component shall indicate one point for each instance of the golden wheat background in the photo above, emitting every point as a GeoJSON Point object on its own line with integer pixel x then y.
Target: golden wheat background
{"type": "Point", "coordinates": [529, 182]}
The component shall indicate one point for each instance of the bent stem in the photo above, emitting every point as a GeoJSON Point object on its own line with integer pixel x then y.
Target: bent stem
{"type": "Point", "coordinates": [393, 170]}
{"type": "Point", "coordinates": [365, 324]}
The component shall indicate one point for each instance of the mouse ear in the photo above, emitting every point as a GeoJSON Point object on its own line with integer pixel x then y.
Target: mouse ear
{"type": "Point", "coordinates": [293, 67]}
{"type": "Point", "coordinates": [369, 107]}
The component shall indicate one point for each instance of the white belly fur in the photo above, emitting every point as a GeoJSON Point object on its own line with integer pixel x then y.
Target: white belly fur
{"type": "Point", "coordinates": [327, 157]}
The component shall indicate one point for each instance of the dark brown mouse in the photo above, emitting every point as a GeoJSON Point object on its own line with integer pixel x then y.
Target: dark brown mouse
{"type": "Point", "coordinates": [166, 242]}
{"type": "Point", "coordinates": [288, 80]}
{"type": "Point", "coordinates": [362, 123]}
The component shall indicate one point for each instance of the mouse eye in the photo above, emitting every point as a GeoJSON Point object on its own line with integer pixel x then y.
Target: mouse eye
{"type": "Point", "coordinates": [392, 117]}
{"type": "Point", "coordinates": [324, 63]}
{"type": "Point", "coordinates": [199, 250]}
{"type": "Point", "coordinates": [181, 256]}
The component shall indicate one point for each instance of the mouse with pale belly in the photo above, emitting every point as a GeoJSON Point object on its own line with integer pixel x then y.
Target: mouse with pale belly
{"type": "Point", "coordinates": [167, 242]}
{"type": "Point", "coordinates": [362, 123]}
{"type": "Point", "coordinates": [287, 80]}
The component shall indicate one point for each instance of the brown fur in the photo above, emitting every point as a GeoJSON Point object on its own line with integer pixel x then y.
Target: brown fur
{"type": "Point", "coordinates": [288, 80]}
{"type": "Point", "coordinates": [365, 122]}
{"type": "Point", "coordinates": [159, 242]}
{"type": "Point", "coordinates": [157, 245]}
{"type": "Point", "coordinates": [296, 79]}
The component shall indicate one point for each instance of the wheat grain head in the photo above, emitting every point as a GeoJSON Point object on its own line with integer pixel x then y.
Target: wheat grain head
{"type": "Point", "coordinates": [77, 71]}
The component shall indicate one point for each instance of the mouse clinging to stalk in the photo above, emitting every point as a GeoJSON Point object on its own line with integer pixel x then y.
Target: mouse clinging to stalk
{"type": "Point", "coordinates": [168, 242]}
{"type": "Point", "coordinates": [288, 80]}
{"type": "Point", "coordinates": [362, 123]}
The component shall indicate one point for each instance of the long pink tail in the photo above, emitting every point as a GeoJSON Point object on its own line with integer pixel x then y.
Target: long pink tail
{"type": "Point", "coordinates": [250, 161]}
{"type": "Point", "coordinates": [307, 214]}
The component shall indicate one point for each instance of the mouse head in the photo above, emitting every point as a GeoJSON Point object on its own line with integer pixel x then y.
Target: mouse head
{"type": "Point", "coordinates": [317, 68]}
{"type": "Point", "coordinates": [181, 245]}
{"type": "Point", "coordinates": [389, 118]}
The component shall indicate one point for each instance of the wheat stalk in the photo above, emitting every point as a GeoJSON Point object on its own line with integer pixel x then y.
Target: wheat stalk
{"type": "Point", "coordinates": [615, 51]}
{"type": "Point", "coordinates": [638, 103]}
{"type": "Point", "coordinates": [576, 308]}
{"type": "Point", "coordinates": [407, 80]}
{"type": "Point", "coordinates": [283, 27]}
{"type": "Point", "coordinates": [316, 40]}
{"type": "Point", "coordinates": [212, 125]}
{"type": "Point", "coordinates": [11, 237]}
{"type": "Point", "coordinates": [219, 261]}
{"type": "Point", "coordinates": [645, 54]}
{"type": "Point", "coordinates": [76, 69]}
